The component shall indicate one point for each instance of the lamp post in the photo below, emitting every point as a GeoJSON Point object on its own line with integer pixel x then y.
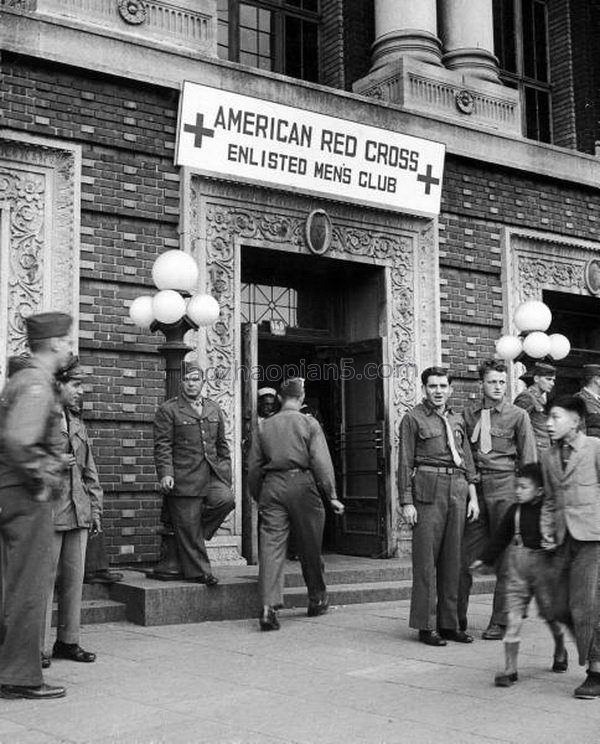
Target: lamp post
{"type": "Point", "coordinates": [174, 311]}
{"type": "Point", "coordinates": [532, 319]}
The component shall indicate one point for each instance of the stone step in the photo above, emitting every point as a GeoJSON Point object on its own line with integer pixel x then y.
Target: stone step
{"type": "Point", "coordinates": [98, 610]}
{"type": "Point", "coordinates": [345, 575]}
{"type": "Point", "coordinates": [377, 591]}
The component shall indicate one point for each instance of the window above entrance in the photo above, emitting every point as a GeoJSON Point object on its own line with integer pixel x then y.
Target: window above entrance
{"type": "Point", "coordinates": [262, 303]}
{"type": "Point", "coordinates": [277, 35]}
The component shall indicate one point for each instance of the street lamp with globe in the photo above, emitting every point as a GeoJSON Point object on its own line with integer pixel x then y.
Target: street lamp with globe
{"type": "Point", "coordinates": [532, 319]}
{"type": "Point", "coordinates": [174, 310]}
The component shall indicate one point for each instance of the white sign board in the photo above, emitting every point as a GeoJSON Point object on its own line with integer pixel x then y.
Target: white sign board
{"type": "Point", "coordinates": [242, 138]}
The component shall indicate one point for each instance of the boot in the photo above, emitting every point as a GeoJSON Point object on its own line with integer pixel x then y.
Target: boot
{"type": "Point", "coordinates": [509, 676]}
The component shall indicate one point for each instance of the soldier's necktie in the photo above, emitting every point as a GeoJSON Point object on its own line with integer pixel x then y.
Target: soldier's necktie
{"type": "Point", "coordinates": [485, 436]}
{"type": "Point", "coordinates": [451, 441]}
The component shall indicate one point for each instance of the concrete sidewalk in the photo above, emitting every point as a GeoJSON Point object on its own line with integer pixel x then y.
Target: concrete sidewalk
{"type": "Point", "coordinates": [355, 675]}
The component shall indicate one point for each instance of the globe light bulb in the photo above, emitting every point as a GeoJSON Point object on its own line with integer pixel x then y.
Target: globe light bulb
{"type": "Point", "coordinates": [559, 346]}
{"type": "Point", "coordinates": [537, 345]}
{"type": "Point", "coordinates": [168, 305]}
{"type": "Point", "coordinates": [141, 311]}
{"type": "Point", "coordinates": [532, 315]}
{"type": "Point", "coordinates": [203, 309]}
{"type": "Point", "coordinates": [509, 347]}
{"type": "Point", "coordinates": [175, 269]}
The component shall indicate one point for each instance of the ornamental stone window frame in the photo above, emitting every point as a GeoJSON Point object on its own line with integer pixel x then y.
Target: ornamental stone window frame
{"type": "Point", "coordinates": [40, 197]}
{"type": "Point", "coordinates": [534, 261]}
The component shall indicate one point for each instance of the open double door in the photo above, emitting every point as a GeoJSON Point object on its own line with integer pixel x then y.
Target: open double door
{"type": "Point", "coordinates": [346, 384]}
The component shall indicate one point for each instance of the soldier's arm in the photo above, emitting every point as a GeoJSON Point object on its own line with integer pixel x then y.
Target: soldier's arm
{"type": "Point", "coordinates": [222, 445]}
{"type": "Point", "coordinates": [526, 446]}
{"type": "Point", "coordinates": [409, 429]}
{"type": "Point", "coordinates": [24, 436]}
{"type": "Point", "coordinates": [256, 460]}
{"type": "Point", "coordinates": [89, 475]}
{"type": "Point", "coordinates": [164, 433]}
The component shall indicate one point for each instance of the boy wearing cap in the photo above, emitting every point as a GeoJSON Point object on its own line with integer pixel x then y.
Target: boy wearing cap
{"type": "Point", "coordinates": [76, 513]}
{"type": "Point", "coordinates": [570, 526]}
{"type": "Point", "coordinates": [540, 380]}
{"type": "Point", "coordinates": [289, 470]}
{"type": "Point", "coordinates": [266, 404]}
{"type": "Point", "coordinates": [32, 468]}
{"type": "Point", "coordinates": [193, 464]}
{"type": "Point", "coordinates": [590, 395]}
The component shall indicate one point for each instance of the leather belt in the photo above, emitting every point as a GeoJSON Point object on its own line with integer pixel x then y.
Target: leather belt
{"type": "Point", "coordinates": [439, 469]}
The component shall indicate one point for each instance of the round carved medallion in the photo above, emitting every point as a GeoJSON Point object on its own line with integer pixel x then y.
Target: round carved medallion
{"type": "Point", "coordinates": [132, 11]}
{"type": "Point", "coordinates": [465, 102]}
{"type": "Point", "coordinates": [318, 231]}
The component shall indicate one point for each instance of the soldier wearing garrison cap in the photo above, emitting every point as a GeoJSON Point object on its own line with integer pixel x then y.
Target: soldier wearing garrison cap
{"type": "Point", "coordinates": [32, 469]}
{"type": "Point", "coordinates": [193, 464]}
{"type": "Point", "coordinates": [590, 395]}
{"type": "Point", "coordinates": [540, 380]}
{"type": "Point", "coordinates": [289, 472]}
{"type": "Point", "coordinates": [76, 513]}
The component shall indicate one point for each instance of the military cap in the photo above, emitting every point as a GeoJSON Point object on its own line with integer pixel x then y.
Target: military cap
{"type": "Point", "coordinates": [266, 391]}
{"type": "Point", "coordinates": [70, 371]}
{"type": "Point", "coordinates": [292, 388]}
{"type": "Point", "coordinates": [17, 363]}
{"type": "Point", "coordinates": [570, 403]}
{"type": "Point", "coordinates": [191, 365]}
{"type": "Point", "coordinates": [591, 370]}
{"type": "Point", "coordinates": [47, 325]}
{"type": "Point", "coordinates": [541, 369]}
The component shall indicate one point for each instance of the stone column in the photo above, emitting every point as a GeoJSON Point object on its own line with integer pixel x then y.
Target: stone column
{"type": "Point", "coordinates": [467, 31]}
{"type": "Point", "coordinates": [405, 28]}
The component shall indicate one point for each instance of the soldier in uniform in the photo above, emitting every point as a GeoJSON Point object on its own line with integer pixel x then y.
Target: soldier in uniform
{"type": "Point", "coordinates": [534, 400]}
{"type": "Point", "coordinates": [289, 472]}
{"type": "Point", "coordinates": [77, 512]}
{"type": "Point", "coordinates": [193, 464]}
{"type": "Point", "coordinates": [436, 488]}
{"type": "Point", "coordinates": [32, 468]}
{"type": "Point", "coordinates": [590, 395]}
{"type": "Point", "coordinates": [502, 440]}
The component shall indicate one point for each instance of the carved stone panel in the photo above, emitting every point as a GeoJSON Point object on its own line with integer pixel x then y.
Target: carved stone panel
{"type": "Point", "coordinates": [39, 241]}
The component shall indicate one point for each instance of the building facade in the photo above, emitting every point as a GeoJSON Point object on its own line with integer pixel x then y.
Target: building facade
{"type": "Point", "coordinates": [356, 297]}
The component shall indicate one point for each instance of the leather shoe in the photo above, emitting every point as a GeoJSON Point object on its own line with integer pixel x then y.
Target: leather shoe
{"type": "Point", "coordinates": [36, 692]}
{"type": "Point", "coordinates": [72, 652]}
{"type": "Point", "coordinates": [431, 638]}
{"type": "Point", "coordinates": [268, 620]}
{"type": "Point", "coordinates": [502, 679]}
{"type": "Point", "coordinates": [458, 636]}
{"type": "Point", "coordinates": [317, 608]}
{"type": "Point", "coordinates": [207, 579]}
{"type": "Point", "coordinates": [493, 633]}
{"type": "Point", "coordinates": [46, 661]}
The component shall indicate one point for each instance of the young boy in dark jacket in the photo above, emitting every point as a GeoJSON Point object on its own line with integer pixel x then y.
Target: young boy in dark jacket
{"type": "Point", "coordinates": [530, 571]}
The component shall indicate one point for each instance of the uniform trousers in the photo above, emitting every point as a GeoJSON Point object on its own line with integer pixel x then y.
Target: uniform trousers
{"type": "Point", "coordinates": [496, 493]}
{"type": "Point", "coordinates": [67, 569]}
{"type": "Point", "coordinates": [440, 500]}
{"type": "Point", "coordinates": [531, 573]}
{"type": "Point", "coordinates": [576, 597]}
{"type": "Point", "coordinates": [196, 520]}
{"type": "Point", "coordinates": [290, 499]}
{"type": "Point", "coordinates": [26, 535]}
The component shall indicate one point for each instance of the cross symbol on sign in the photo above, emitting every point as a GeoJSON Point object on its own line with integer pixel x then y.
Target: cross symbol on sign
{"type": "Point", "coordinates": [428, 179]}
{"type": "Point", "coordinates": [198, 130]}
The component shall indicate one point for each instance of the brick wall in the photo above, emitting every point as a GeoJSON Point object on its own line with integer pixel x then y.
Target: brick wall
{"type": "Point", "coordinates": [478, 202]}
{"type": "Point", "coordinates": [129, 214]}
